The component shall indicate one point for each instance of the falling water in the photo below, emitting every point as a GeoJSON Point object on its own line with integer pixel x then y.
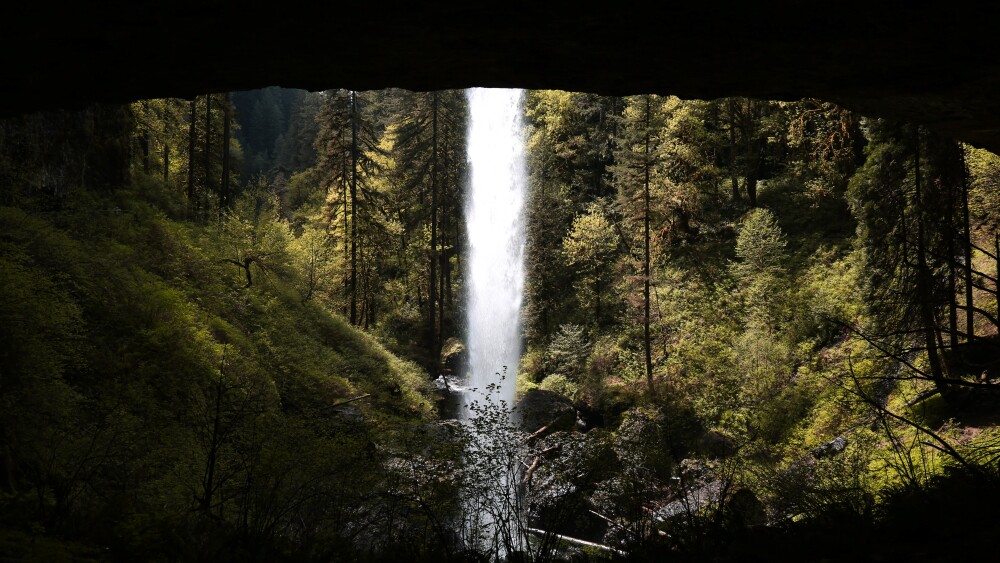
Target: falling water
{"type": "Point", "coordinates": [493, 216]}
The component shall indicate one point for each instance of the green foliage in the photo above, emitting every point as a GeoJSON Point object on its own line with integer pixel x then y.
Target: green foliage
{"type": "Point", "coordinates": [254, 236]}
{"type": "Point", "coordinates": [760, 245]}
{"type": "Point", "coordinates": [760, 249]}
{"type": "Point", "coordinates": [640, 141]}
{"type": "Point", "coordinates": [589, 249]}
{"type": "Point", "coordinates": [558, 383]}
{"type": "Point", "coordinates": [305, 196]}
{"type": "Point", "coordinates": [984, 184]}
{"type": "Point", "coordinates": [749, 310]}
{"type": "Point", "coordinates": [567, 354]}
{"type": "Point", "coordinates": [315, 256]}
{"type": "Point", "coordinates": [824, 139]}
{"type": "Point", "coordinates": [690, 192]}
{"type": "Point", "coordinates": [278, 129]}
{"type": "Point", "coordinates": [282, 432]}
{"type": "Point", "coordinates": [115, 323]}
{"type": "Point", "coordinates": [570, 151]}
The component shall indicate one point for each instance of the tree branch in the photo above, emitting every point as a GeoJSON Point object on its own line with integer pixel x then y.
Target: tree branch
{"type": "Point", "coordinates": [943, 444]}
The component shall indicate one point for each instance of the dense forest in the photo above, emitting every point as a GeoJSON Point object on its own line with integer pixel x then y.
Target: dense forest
{"type": "Point", "coordinates": [754, 330]}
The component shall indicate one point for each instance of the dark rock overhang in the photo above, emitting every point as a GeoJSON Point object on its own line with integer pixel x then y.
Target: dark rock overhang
{"type": "Point", "coordinates": [938, 66]}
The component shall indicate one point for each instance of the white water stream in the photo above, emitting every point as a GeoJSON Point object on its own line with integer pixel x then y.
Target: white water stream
{"type": "Point", "coordinates": [494, 219]}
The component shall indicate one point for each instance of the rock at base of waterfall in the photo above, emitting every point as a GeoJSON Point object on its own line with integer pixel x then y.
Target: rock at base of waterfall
{"type": "Point", "coordinates": [454, 357]}
{"type": "Point", "coordinates": [539, 408]}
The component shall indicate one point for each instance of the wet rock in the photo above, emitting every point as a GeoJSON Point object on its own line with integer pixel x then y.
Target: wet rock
{"type": "Point", "coordinates": [442, 430]}
{"type": "Point", "coordinates": [697, 486]}
{"type": "Point", "coordinates": [453, 357]}
{"type": "Point", "coordinates": [831, 448]}
{"type": "Point", "coordinates": [691, 501]}
{"type": "Point", "coordinates": [695, 470]}
{"type": "Point", "coordinates": [557, 494]}
{"type": "Point", "coordinates": [349, 414]}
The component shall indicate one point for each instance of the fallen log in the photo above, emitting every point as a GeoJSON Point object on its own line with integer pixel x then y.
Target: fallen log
{"type": "Point", "coordinates": [540, 431]}
{"type": "Point", "coordinates": [576, 541]}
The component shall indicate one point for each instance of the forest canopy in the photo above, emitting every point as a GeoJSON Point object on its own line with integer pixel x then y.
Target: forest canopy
{"type": "Point", "coordinates": [749, 325]}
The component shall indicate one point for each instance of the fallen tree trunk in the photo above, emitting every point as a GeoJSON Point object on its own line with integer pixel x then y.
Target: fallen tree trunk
{"type": "Point", "coordinates": [576, 541]}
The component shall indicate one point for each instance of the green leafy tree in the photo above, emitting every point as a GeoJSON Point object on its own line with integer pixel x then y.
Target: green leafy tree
{"type": "Point", "coordinates": [568, 352]}
{"type": "Point", "coordinates": [254, 235]}
{"type": "Point", "coordinates": [314, 255]}
{"type": "Point", "coordinates": [825, 143]}
{"type": "Point", "coordinates": [590, 249]}
{"type": "Point", "coordinates": [691, 176]}
{"type": "Point", "coordinates": [753, 128]}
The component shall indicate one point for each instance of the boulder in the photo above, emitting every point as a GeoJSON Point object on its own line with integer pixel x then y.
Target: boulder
{"type": "Point", "coordinates": [717, 445]}
{"type": "Point", "coordinates": [538, 408]}
{"type": "Point", "coordinates": [831, 448]}
{"type": "Point", "coordinates": [453, 357]}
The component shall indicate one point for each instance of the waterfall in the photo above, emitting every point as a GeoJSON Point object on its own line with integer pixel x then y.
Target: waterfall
{"type": "Point", "coordinates": [494, 219]}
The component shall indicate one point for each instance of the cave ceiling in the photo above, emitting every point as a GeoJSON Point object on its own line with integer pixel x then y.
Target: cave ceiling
{"type": "Point", "coordinates": [938, 66]}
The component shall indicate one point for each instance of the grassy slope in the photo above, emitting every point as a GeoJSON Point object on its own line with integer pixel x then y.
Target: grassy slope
{"type": "Point", "coordinates": [118, 324]}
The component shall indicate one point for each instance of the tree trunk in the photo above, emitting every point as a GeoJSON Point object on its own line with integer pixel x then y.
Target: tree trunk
{"type": "Point", "coordinates": [246, 270]}
{"type": "Point", "coordinates": [347, 253]}
{"type": "Point", "coordinates": [952, 234]}
{"type": "Point", "coordinates": [996, 254]}
{"type": "Point", "coordinates": [752, 165]}
{"type": "Point", "coordinates": [457, 240]}
{"type": "Point", "coordinates": [645, 262]}
{"type": "Point", "coordinates": [445, 233]}
{"type": "Point", "coordinates": [924, 291]}
{"type": "Point", "coordinates": [354, 207]}
{"type": "Point", "coordinates": [225, 187]}
{"type": "Point", "coordinates": [752, 160]}
{"type": "Point", "coordinates": [372, 309]}
{"type": "Point", "coordinates": [597, 299]}
{"type": "Point", "coordinates": [752, 190]}
{"type": "Point", "coordinates": [145, 153]}
{"type": "Point", "coordinates": [444, 256]}
{"type": "Point", "coordinates": [208, 149]}
{"type": "Point", "coordinates": [191, 139]}
{"type": "Point", "coordinates": [432, 277]}
{"type": "Point", "coordinates": [367, 298]}
{"type": "Point", "coordinates": [733, 178]}
{"type": "Point", "coordinates": [952, 307]}
{"type": "Point", "coordinates": [970, 331]}
{"type": "Point", "coordinates": [208, 484]}
{"type": "Point", "coordinates": [443, 245]}
{"type": "Point", "coordinates": [166, 162]}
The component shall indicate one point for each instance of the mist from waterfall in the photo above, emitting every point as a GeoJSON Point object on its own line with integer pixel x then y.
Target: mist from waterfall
{"type": "Point", "coordinates": [494, 210]}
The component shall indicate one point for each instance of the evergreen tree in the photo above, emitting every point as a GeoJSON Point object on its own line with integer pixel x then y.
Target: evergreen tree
{"type": "Point", "coordinates": [753, 131]}
{"type": "Point", "coordinates": [692, 179]}
{"type": "Point", "coordinates": [571, 151]}
{"type": "Point", "coordinates": [638, 172]}
{"type": "Point", "coordinates": [760, 251]}
{"type": "Point", "coordinates": [902, 197]}
{"type": "Point", "coordinates": [427, 144]}
{"type": "Point", "coordinates": [349, 145]}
